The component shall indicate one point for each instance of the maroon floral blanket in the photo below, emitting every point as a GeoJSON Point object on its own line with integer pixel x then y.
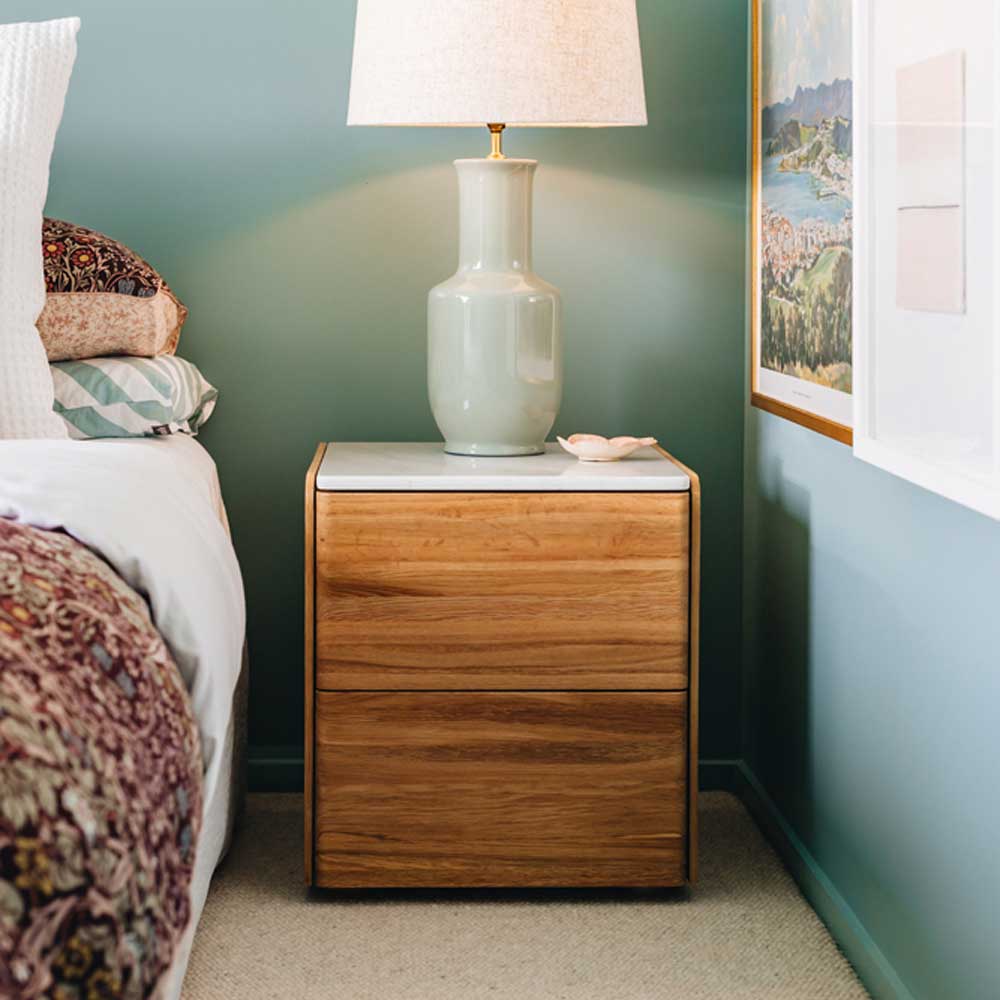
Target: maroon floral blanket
{"type": "Point", "coordinates": [100, 779]}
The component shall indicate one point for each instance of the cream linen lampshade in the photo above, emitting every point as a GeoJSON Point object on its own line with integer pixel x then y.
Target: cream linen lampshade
{"type": "Point", "coordinates": [519, 62]}
{"type": "Point", "coordinates": [494, 329]}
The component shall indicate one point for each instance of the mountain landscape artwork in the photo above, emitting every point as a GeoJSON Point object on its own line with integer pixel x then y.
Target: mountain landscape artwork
{"type": "Point", "coordinates": [804, 130]}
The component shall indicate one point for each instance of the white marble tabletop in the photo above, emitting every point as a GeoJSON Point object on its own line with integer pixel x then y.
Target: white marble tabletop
{"type": "Point", "coordinates": [366, 466]}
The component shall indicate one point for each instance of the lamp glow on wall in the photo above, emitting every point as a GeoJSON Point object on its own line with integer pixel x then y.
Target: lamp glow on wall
{"type": "Point", "coordinates": [495, 349]}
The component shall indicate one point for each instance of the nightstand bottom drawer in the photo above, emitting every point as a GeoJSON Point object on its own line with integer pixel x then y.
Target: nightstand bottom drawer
{"type": "Point", "coordinates": [500, 789]}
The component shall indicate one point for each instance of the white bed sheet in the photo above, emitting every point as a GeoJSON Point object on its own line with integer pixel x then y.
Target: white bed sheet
{"type": "Point", "coordinates": [152, 508]}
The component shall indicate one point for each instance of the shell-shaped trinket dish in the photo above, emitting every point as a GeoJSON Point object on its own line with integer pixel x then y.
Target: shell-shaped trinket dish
{"type": "Point", "coordinates": [594, 448]}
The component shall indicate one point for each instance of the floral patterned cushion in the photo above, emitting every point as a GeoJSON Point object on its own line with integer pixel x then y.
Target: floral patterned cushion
{"type": "Point", "coordinates": [102, 298]}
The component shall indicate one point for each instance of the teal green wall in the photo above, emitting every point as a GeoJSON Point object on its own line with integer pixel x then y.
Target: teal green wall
{"type": "Point", "coordinates": [209, 135]}
{"type": "Point", "coordinates": [873, 698]}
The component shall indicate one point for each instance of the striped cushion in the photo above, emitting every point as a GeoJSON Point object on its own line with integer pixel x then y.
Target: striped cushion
{"type": "Point", "coordinates": [132, 397]}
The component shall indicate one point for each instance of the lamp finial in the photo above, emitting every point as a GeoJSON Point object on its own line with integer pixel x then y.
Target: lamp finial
{"type": "Point", "coordinates": [496, 141]}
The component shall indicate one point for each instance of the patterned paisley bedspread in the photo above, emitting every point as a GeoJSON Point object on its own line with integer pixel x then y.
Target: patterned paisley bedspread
{"type": "Point", "coordinates": [100, 778]}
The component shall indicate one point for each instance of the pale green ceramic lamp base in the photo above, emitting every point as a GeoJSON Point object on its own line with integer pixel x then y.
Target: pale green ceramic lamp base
{"type": "Point", "coordinates": [495, 358]}
{"type": "Point", "coordinates": [492, 449]}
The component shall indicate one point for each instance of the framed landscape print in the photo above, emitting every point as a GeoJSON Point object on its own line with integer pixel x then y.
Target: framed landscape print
{"type": "Point", "coordinates": [802, 213]}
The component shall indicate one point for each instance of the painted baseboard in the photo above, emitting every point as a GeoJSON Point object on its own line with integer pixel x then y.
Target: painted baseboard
{"type": "Point", "coordinates": [275, 769]}
{"type": "Point", "coordinates": [872, 967]}
{"type": "Point", "coordinates": [717, 775]}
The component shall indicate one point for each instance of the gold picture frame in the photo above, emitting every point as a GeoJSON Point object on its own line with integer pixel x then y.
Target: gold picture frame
{"type": "Point", "coordinates": [814, 421]}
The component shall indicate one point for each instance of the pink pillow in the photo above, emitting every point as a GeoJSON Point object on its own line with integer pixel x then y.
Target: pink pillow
{"type": "Point", "coordinates": [103, 299]}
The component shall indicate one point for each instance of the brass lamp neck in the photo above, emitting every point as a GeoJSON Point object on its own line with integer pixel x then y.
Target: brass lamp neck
{"type": "Point", "coordinates": [496, 141]}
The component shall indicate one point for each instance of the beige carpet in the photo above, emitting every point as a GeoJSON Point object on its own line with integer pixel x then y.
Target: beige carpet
{"type": "Point", "coordinates": [744, 932]}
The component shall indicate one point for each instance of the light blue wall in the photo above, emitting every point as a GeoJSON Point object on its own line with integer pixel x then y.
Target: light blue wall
{"type": "Point", "coordinates": [209, 135]}
{"type": "Point", "coordinates": [873, 697]}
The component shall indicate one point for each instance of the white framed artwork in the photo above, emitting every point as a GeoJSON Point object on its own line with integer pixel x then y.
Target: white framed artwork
{"type": "Point", "coordinates": [926, 352]}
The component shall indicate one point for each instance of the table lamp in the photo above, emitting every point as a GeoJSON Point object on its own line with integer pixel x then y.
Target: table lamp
{"type": "Point", "coordinates": [495, 347]}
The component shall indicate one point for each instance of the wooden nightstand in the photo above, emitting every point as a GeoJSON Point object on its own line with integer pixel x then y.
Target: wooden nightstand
{"type": "Point", "coordinates": [501, 669]}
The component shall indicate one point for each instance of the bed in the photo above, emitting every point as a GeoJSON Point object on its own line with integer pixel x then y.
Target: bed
{"type": "Point", "coordinates": [122, 679]}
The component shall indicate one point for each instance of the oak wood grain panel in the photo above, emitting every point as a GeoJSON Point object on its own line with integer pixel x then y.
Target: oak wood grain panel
{"type": "Point", "coordinates": [500, 789]}
{"type": "Point", "coordinates": [310, 636]}
{"type": "Point", "coordinates": [693, 666]}
{"type": "Point", "coordinates": [502, 591]}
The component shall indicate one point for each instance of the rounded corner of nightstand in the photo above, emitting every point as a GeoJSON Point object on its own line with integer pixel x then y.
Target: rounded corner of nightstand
{"type": "Point", "coordinates": [313, 471]}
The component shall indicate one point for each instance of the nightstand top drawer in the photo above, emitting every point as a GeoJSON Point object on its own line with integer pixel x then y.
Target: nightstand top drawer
{"type": "Point", "coordinates": [426, 467]}
{"type": "Point", "coordinates": [513, 590]}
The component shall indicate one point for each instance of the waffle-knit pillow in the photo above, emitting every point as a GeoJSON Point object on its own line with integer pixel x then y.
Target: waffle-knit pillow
{"type": "Point", "coordinates": [36, 61]}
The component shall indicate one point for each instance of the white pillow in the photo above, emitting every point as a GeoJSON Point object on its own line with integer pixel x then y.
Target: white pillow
{"type": "Point", "coordinates": [35, 65]}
